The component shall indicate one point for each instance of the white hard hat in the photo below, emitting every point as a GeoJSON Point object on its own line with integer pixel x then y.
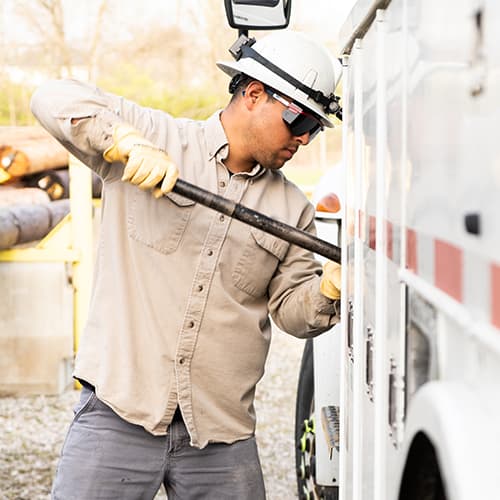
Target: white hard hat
{"type": "Point", "coordinates": [294, 65]}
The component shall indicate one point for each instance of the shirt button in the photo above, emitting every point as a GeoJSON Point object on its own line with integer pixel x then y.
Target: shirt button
{"type": "Point", "coordinates": [222, 184]}
{"type": "Point", "coordinates": [200, 288]}
{"type": "Point", "coordinates": [191, 324]}
{"type": "Point", "coordinates": [181, 361]}
{"type": "Point", "coordinates": [221, 218]}
{"type": "Point", "coordinates": [210, 252]}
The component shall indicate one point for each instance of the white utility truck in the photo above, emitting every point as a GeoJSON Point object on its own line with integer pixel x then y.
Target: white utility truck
{"type": "Point", "coordinates": [401, 400]}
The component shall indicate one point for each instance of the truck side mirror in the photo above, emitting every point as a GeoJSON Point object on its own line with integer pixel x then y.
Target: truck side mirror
{"type": "Point", "coordinates": [258, 14]}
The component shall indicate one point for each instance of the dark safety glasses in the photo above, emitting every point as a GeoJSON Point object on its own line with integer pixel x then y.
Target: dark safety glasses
{"type": "Point", "coordinates": [298, 121]}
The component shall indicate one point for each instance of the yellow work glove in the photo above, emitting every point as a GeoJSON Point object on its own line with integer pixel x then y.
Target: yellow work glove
{"type": "Point", "coordinates": [145, 164]}
{"type": "Point", "coordinates": [330, 281]}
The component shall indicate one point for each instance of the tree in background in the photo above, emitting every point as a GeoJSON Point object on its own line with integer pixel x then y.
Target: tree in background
{"type": "Point", "coordinates": [42, 48]}
{"type": "Point", "coordinates": [165, 61]}
{"type": "Point", "coordinates": [47, 22]}
{"type": "Point", "coordinates": [169, 63]}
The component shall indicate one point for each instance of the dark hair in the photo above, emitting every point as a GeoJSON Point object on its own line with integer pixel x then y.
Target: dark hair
{"type": "Point", "coordinates": [238, 83]}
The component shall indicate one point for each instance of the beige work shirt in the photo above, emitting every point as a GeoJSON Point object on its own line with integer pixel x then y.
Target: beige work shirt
{"type": "Point", "coordinates": [182, 294]}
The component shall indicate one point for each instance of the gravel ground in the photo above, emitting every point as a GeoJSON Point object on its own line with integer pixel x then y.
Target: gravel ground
{"type": "Point", "coordinates": [33, 430]}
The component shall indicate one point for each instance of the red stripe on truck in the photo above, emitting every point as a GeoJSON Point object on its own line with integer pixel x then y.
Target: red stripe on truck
{"type": "Point", "coordinates": [389, 231]}
{"type": "Point", "coordinates": [448, 269]}
{"type": "Point", "coordinates": [372, 232]}
{"type": "Point", "coordinates": [411, 250]}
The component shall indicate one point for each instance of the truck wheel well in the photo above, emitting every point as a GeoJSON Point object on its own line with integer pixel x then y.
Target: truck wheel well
{"type": "Point", "coordinates": [422, 474]}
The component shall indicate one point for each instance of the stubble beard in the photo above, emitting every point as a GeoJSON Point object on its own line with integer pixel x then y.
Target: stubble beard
{"type": "Point", "coordinates": [271, 161]}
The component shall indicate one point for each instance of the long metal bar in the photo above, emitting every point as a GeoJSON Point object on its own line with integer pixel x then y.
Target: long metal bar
{"type": "Point", "coordinates": [256, 219]}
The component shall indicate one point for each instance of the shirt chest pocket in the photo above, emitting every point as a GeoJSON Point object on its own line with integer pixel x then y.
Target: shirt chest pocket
{"type": "Point", "coordinates": [258, 262]}
{"type": "Point", "coordinates": [158, 223]}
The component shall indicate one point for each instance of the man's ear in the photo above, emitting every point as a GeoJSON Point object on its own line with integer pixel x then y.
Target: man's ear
{"type": "Point", "coordinates": [254, 92]}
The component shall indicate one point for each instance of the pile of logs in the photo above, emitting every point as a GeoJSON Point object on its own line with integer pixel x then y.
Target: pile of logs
{"type": "Point", "coordinates": [28, 150]}
{"type": "Point", "coordinates": [34, 184]}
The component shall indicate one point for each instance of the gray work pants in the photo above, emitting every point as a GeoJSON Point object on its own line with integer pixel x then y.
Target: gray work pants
{"type": "Point", "coordinates": [105, 457]}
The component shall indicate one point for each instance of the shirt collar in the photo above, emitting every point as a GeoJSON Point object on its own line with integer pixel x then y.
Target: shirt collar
{"type": "Point", "coordinates": [216, 137]}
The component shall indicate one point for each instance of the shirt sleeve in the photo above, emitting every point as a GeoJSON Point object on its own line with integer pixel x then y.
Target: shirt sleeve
{"type": "Point", "coordinates": [82, 117]}
{"type": "Point", "coordinates": [296, 304]}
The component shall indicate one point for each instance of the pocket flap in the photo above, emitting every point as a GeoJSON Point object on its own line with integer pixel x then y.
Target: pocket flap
{"type": "Point", "coordinates": [272, 244]}
{"type": "Point", "coordinates": [179, 200]}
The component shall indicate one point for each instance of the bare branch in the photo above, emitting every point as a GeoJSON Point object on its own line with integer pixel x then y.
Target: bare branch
{"type": "Point", "coordinates": [92, 56]}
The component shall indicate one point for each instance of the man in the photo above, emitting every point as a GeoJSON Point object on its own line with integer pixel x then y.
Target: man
{"type": "Point", "coordinates": [178, 329]}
